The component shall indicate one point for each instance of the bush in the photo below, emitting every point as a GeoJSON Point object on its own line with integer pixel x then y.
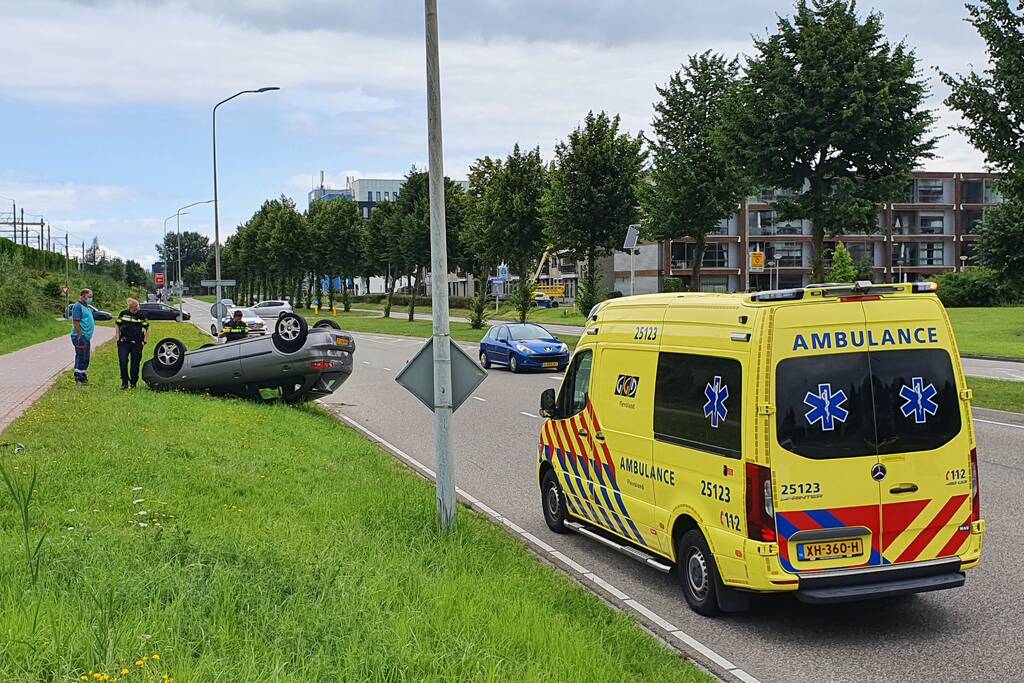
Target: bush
{"type": "Point", "coordinates": [478, 310]}
{"type": "Point", "coordinates": [614, 294]}
{"type": "Point", "coordinates": [19, 296]}
{"type": "Point", "coordinates": [977, 287]}
{"type": "Point", "coordinates": [672, 284]}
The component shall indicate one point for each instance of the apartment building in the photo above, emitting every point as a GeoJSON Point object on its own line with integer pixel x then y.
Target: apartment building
{"type": "Point", "coordinates": [928, 231]}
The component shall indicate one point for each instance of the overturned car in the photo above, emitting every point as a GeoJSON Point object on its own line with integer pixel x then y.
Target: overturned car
{"type": "Point", "coordinates": [296, 363]}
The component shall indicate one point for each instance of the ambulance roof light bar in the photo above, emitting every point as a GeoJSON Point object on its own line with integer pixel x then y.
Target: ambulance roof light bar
{"type": "Point", "coordinates": [779, 295]}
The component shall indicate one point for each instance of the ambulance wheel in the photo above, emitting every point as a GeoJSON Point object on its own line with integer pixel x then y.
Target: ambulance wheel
{"type": "Point", "coordinates": [168, 357]}
{"type": "Point", "coordinates": [484, 360]}
{"type": "Point", "coordinates": [290, 333]}
{"type": "Point", "coordinates": [552, 500]}
{"type": "Point", "coordinates": [698, 573]}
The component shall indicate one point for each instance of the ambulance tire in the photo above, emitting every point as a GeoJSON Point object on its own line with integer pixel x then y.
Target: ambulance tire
{"type": "Point", "coordinates": [552, 500]}
{"type": "Point", "coordinates": [698, 574]}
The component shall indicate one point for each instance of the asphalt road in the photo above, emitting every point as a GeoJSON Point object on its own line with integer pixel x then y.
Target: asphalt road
{"type": "Point", "coordinates": [971, 634]}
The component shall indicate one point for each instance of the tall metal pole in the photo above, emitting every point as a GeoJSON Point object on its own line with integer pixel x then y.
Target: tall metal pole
{"type": "Point", "coordinates": [177, 221]}
{"type": "Point", "coordinates": [216, 203]}
{"type": "Point", "coordinates": [166, 260]}
{"type": "Point", "coordinates": [632, 277]}
{"type": "Point", "coordinates": [67, 275]}
{"type": "Point", "coordinates": [439, 283]}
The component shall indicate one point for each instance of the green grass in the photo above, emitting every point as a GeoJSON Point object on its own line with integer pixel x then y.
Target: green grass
{"type": "Point", "coordinates": [998, 394]}
{"type": "Point", "coordinates": [563, 315]}
{"type": "Point", "coordinates": [245, 542]}
{"type": "Point", "coordinates": [17, 334]}
{"type": "Point", "coordinates": [208, 298]}
{"type": "Point", "coordinates": [994, 332]}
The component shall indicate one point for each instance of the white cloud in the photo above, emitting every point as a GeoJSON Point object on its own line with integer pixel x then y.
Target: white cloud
{"type": "Point", "coordinates": [60, 198]}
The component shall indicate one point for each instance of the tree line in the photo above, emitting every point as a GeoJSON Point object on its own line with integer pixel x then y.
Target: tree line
{"type": "Point", "coordinates": [825, 108]}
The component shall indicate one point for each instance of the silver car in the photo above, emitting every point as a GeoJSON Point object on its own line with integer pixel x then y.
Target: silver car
{"type": "Point", "coordinates": [255, 323]}
{"type": "Point", "coordinates": [297, 363]}
{"type": "Point", "coordinates": [268, 310]}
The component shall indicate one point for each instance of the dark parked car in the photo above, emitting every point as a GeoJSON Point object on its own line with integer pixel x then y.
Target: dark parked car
{"type": "Point", "coordinates": [158, 311]}
{"type": "Point", "coordinates": [296, 363]}
{"type": "Point", "coordinates": [97, 314]}
{"type": "Point", "coordinates": [523, 346]}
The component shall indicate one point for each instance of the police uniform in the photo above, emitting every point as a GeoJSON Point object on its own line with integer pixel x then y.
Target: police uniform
{"type": "Point", "coordinates": [235, 330]}
{"type": "Point", "coordinates": [132, 327]}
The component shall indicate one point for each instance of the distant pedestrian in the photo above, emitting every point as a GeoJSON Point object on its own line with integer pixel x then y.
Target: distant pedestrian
{"type": "Point", "coordinates": [83, 325]}
{"type": "Point", "coordinates": [131, 335]}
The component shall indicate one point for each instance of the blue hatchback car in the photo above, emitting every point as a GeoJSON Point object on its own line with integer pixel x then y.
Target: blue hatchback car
{"type": "Point", "coordinates": [523, 346]}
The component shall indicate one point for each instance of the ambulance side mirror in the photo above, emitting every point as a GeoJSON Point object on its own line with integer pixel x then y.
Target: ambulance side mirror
{"type": "Point", "coordinates": [547, 403]}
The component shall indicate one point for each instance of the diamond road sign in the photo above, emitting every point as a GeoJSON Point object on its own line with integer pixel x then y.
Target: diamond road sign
{"type": "Point", "coordinates": [418, 375]}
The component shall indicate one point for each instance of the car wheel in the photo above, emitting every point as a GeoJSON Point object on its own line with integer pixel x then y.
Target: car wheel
{"type": "Point", "coordinates": [327, 322]}
{"type": "Point", "coordinates": [513, 363]}
{"type": "Point", "coordinates": [213, 330]}
{"type": "Point", "coordinates": [290, 333]}
{"type": "Point", "coordinates": [552, 501]}
{"type": "Point", "coordinates": [698, 573]}
{"type": "Point", "coordinates": [168, 357]}
{"type": "Point", "coordinates": [484, 360]}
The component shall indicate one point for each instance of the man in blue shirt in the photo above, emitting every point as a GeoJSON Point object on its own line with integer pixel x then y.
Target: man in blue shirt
{"type": "Point", "coordinates": [81, 336]}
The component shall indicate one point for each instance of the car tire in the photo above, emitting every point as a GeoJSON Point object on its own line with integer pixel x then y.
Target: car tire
{"type": "Point", "coordinates": [554, 304]}
{"type": "Point", "coordinates": [213, 330]}
{"type": "Point", "coordinates": [168, 357]}
{"type": "Point", "coordinates": [552, 501]}
{"type": "Point", "coordinates": [290, 333]}
{"type": "Point", "coordinates": [484, 360]}
{"type": "Point", "coordinates": [326, 322]}
{"type": "Point", "coordinates": [698, 574]}
{"type": "Point", "coordinates": [513, 363]}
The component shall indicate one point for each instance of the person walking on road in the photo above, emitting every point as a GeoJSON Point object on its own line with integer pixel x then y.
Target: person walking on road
{"type": "Point", "coordinates": [131, 335]}
{"type": "Point", "coordinates": [83, 325]}
{"type": "Point", "coordinates": [235, 328]}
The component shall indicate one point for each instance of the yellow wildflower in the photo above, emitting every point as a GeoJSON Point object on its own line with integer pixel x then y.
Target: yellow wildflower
{"type": "Point", "coordinates": [156, 658]}
{"type": "Point", "coordinates": [124, 672]}
{"type": "Point", "coordinates": [140, 663]}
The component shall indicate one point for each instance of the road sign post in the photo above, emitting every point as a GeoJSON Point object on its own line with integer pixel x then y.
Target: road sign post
{"type": "Point", "coordinates": [218, 284]}
{"type": "Point", "coordinates": [632, 235]}
{"type": "Point", "coordinates": [441, 348]}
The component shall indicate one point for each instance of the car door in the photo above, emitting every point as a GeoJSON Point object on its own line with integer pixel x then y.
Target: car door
{"type": "Point", "coordinates": [213, 367]}
{"type": "Point", "coordinates": [487, 344]}
{"type": "Point", "coordinates": [503, 347]}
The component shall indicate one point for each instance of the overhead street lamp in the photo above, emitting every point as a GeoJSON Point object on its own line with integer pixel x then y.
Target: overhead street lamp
{"type": "Point", "coordinates": [216, 203]}
{"type": "Point", "coordinates": [164, 245]}
{"type": "Point", "coordinates": [181, 278]}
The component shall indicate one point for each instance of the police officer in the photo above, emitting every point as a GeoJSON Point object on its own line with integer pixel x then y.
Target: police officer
{"type": "Point", "coordinates": [235, 329]}
{"type": "Point", "coordinates": [131, 335]}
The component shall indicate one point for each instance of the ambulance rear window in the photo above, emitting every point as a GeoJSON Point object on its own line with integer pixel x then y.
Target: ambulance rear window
{"type": "Point", "coordinates": [871, 403]}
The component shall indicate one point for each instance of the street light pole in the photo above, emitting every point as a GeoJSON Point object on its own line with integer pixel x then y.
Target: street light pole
{"type": "Point", "coordinates": [216, 203]}
{"type": "Point", "coordinates": [181, 278]}
{"type": "Point", "coordinates": [165, 255]}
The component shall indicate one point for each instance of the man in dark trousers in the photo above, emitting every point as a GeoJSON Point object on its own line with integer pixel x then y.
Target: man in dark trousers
{"type": "Point", "coordinates": [235, 328]}
{"type": "Point", "coordinates": [131, 335]}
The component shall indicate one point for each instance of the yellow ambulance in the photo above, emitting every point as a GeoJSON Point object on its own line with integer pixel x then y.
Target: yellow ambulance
{"type": "Point", "coordinates": [816, 440]}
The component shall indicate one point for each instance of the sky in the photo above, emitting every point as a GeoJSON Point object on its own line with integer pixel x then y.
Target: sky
{"type": "Point", "coordinates": [105, 105]}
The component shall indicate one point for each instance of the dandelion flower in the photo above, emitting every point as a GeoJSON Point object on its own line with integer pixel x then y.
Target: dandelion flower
{"type": "Point", "coordinates": [124, 672]}
{"type": "Point", "coordinates": [155, 658]}
{"type": "Point", "coordinates": [140, 663]}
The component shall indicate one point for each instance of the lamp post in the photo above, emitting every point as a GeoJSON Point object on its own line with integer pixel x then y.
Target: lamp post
{"type": "Point", "coordinates": [771, 265]}
{"type": "Point", "coordinates": [216, 203]}
{"type": "Point", "coordinates": [963, 262]}
{"type": "Point", "coordinates": [181, 278]}
{"type": "Point", "coordinates": [165, 254]}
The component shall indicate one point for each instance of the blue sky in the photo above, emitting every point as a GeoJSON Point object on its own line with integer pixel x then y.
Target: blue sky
{"type": "Point", "coordinates": [105, 104]}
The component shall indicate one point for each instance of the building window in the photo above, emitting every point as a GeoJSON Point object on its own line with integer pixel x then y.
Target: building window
{"type": "Point", "coordinates": [396, 195]}
{"type": "Point", "coordinates": [931, 223]}
{"type": "Point", "coordinates": [366, 212]}
{"type": "Point", "coordinates": [786, 254]}
{"type": "Point", "coordinates": [861, 251]}
{"type": "Point", "coordinates": [914, 223]}
{"type": "Point", "coordinates": [369, 195]}
{"type": "Point", "coordinates": [972, 191]}
{"type": "Point", "coordinates": [928, 191]}
{"type": "Point", "coordinates": [378, 195]}
{"type": "Point", "coordinates": [698, 403]}
{"type": "Point", "coordinates": [714, 283]}
{"type": "Point", "coordinates": [918, 254]}
{"type": "Point", "coordinates": [387, 196]}
{"type": "Point", "coordinates": [970, 219]}
{"type": "Point", "coordinates": [721, 229]}
{"type": "Point", "coordinates": [767, 223]}
{"type": "Point", "coordinates": [715, 255]}
{"type": "Point", "coordinates": [967, 249]}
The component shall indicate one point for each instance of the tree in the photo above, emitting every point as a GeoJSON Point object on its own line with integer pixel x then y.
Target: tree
{"type": "Point", "coordinates": [337, 232]}
{"type": "Point", "coordinates": [993, 102]}
{"type": "Point", "coordinates": [134, 274]}
{"type": "Point", "coordinates": [832, 112]}
{"type": "Point", "coordinates": [1000, 237]}
{"type": "Point", "coordinates": [507, 219]}
{"type": "Point", "coordinates": [695, 182]}
{"type": "Point", "coordinates": [591, 198]}
{"type": "Point", "coordinates": [195, 248]}
{"type": "Point", "coordinates": [843, 267]}
{"type": "Point", "coordinates": [381, 247]}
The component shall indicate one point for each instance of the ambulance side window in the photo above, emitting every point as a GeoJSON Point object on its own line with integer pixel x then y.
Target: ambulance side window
{"type": "Point", "coordinates": [576, 389]}
{"type": "Point", "coordinates": [698, 403]}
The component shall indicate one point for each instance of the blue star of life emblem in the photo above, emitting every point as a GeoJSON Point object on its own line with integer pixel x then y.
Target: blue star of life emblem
{"type": "Point", "coordinates": [919, 400]}
{"type": "Point", "coordinates": [826, 407]}
{"type": "Point", "coordinates": [715, 408]}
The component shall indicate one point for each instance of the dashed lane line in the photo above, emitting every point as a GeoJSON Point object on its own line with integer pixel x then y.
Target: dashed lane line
{"type": "Point", "coordinates": [477, 398]}
{"type": "Point", "coordinates": [523, 412]}
{"type": "Point", "coordinates": [1001, 424]}
{"type": "Point", "coordinates": [693, 647]}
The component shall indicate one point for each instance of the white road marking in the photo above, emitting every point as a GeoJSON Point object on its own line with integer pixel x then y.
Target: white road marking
{"type": "Point", "coordinates": [555, 379]}
{"type": "Point", "coordinates": [366, 362]}
{"type": "Point", "coordinates": [477, 398]}
{"type": "Point", "coordinates": [388, 369]}
{"type": "Point", "coordinates": [523, 412]}
{"type": "Point", "coordinates": [1001, 424]}
{"type": "Point", "coordinates": [691, 643]}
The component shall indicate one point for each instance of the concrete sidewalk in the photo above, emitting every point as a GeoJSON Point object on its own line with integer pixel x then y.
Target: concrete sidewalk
{"type": "Point", "coordinates": [26, 374]}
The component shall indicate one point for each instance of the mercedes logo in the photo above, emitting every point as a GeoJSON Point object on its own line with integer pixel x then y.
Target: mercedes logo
{"type": "Point", "coordinates": [878, 472]}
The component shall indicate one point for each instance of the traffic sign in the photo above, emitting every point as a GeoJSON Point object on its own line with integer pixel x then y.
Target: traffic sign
{"type": "Point", "coordinates": [64, 289]}
{"type": "Point", "coordinates": [757, 262]}
{"type": "Point", "coordinates": [418, 375]}
{"type": "Point", "coordinates": [502, 273]}
{"type": "Point", "coordinates": [213, 283]}
{"type": "Point", "coordinates": [219, 310]}
{"type": "Point", "coordinates": [159, 278]}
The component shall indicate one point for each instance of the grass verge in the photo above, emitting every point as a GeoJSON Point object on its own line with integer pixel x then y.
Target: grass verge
{"type": "Point", "coordinates": [207, 539]}
{"type": "Point", "coordinates": [998, 394]}
{"type": "Point", "coordinates": [17, 334]}
{"type": "Point", "coordinates": [993, 332]}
